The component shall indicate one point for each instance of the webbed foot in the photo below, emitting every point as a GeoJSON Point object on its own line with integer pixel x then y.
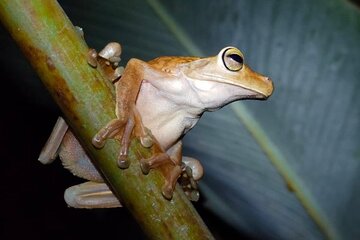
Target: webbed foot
{"type": "Point", "coordinates": [197, 170]}
{"type": "Point", "coordinates": [188, 183]}
{"type": "Point", "coordinates": [171, 172]}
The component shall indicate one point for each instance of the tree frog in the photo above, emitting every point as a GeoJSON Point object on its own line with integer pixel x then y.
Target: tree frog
{"type": "Point", "coordinates": [158, 101]}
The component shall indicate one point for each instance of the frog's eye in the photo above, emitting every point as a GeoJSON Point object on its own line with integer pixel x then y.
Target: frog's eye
{"type": "Point", "coordinates": [233, 59]}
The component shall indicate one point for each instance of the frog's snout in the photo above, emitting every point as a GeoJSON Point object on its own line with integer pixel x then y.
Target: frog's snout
{"type": "Point", "coordinates": [268, 87]}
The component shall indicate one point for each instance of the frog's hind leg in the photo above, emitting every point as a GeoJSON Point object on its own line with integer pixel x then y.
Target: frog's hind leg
{"type": "Point", "coordinates": [50, 150]}
{"type": "Point", "coordinates": [175, 167]}
{"type": "Point", "coordinates": [75, 159]}
{"type": "Point", "coordinates": [92, 194]}
{"type": "Point", "coordinates": [168, 168]}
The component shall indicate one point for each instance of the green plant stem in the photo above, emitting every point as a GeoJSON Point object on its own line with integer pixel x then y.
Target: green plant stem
{"type": "Point", "coordinates": [58, 54]}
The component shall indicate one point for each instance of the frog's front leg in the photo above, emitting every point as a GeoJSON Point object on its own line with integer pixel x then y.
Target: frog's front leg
{"type": "Point", "coordinates": [127, 89]}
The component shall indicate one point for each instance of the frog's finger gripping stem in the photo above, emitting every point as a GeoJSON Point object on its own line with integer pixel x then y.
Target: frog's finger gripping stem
{"type": "Point", "coordinates": [127, 89]}
{"type": "Point", "coordinates": [109, 131]}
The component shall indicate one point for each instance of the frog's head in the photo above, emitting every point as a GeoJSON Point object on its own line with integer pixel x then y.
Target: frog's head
{"type": "Point", "coordinates": [225, 78]}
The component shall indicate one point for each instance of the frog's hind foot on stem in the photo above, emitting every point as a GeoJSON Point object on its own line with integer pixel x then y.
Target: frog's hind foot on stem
{"type": "Point", "coordinates": [169, 166]}
{"type": "Point", "coordinates": [188, 183]}
{"type": "Point", "coordinates": [108, 59]}
{"type": "Point", "coordinates": [170, 172]}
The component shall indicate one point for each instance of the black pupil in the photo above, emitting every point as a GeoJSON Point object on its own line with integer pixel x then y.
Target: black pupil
{"type": "Point", "coordinates": [236, 58]}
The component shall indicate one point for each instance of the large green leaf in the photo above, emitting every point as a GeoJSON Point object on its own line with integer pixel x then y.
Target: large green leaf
{"type": "Point", "coordinates": [287, 168]}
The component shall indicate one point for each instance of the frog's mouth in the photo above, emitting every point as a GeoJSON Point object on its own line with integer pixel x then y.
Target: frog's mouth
{"type": "Point", "coordinates": [243, 92]}
{"type": "Point", "coordinates": [248, 94]}
{"type": "Point", "coordinates": [260, 87]}
{"type": "Point", "coordinates": [258, 94]}
{"type": "Point", "coordinates": [259, 91]}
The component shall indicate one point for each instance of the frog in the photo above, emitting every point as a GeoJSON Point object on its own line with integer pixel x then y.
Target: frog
{"type": "Point", "coordinates": [158, 102]}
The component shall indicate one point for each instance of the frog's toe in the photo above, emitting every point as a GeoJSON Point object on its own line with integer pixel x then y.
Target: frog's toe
{"type": "Point", "coordinates": [98, 141]}
{"type": "Point", "coordinates": [111, 52]}
{"type": "Point", "coordinates": [146, 141]}
{"type": "Point", "coordinates": [145, 166]}
{"type": "Point", "coordinates": [111, 129]}
{"type": "Point", "coordinates": [193, 195]}
{"type": "Point", "coordinates": [154, 162]}
{"type": "Point", "coordinates": [92, 58]}
{"type": "Point", "coordinates": [170, 182]}
{"type": "Point", "coordinates": [122, 162]}
{"type": "Point", "coordinates": [167, 191]}
{"type": "Point", "coordinates": [190, 175]}
{"type": "Point", "coordinates": [189, 184]}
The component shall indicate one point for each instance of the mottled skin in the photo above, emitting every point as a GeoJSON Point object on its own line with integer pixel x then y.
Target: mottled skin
{"type": "Point", "coordinates": [161, 100]}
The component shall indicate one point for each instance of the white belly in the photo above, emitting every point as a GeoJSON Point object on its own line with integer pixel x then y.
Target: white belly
{"type": "Point", "coordinates": [167, 121]}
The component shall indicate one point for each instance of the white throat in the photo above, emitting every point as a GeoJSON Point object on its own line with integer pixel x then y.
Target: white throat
{"type": "Point", "coordinates": [169, 115]}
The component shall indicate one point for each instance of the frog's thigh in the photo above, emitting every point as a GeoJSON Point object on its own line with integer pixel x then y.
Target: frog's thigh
{"type": "Point", "coordinates": [91, 195]}
{"type": "Point", "coordinates": [75, 159]}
